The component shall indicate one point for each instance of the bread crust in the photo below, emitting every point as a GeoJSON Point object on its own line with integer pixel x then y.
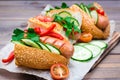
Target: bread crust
{"type": "Point", "coordinates": [33, 22]}
{"type": "Point", "coordinates": [36, 58]}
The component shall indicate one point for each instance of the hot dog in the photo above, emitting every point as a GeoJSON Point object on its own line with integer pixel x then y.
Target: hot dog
{"type": "Point", "coordinates": [34, 52]}
{"type": "Point", "coordinates": [99, 27]}
{"type": "Point", "coordinates": [33, 55]}
{"type": "Point", "coordinates": [63, 45]}
{"type": "Point", "coordinates": [99, 31]}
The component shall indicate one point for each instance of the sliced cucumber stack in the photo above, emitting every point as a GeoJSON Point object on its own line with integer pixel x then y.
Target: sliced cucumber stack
{"type": "Point", "coordinates": [101, 44]}
{"type": "Point", "coordinates": [81, 53]}
{"type": "Point", "coordinates": [53, 49]}
{"type": "Point", "coordinates": [94, 15]}
{"type": "Point", "coordinates": [30, 43]}
{"type": "Point", "coordinates": [95, 49]}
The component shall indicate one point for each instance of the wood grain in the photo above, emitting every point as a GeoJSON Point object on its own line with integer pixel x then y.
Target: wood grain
{"type": "Point", "coordinates": [15, 14]}
{"type": "Point", "coordinates": [109, 68]}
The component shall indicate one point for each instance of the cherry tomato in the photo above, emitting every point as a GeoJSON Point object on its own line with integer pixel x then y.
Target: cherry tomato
{"type": "Point", "coordinates": [44, 18]}
{"type": "Point", "coordinates": [59, 71]}
{"type": "Point", "coordinates": [100, 12]}
{"type": "Point", "coordinates": [85, 37]}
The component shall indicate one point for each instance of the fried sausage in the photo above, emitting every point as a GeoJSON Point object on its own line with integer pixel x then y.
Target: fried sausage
{"type": "Point", "coordinates": [102, 21]}
{"type": "Point", "coordinates": [65, 47]}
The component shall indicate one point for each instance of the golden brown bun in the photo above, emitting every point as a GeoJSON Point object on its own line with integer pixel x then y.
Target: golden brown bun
{"type": "Point", "coordinates": [36, 58]}
{"type": "Point", "coordinates": [56, 11]}
{"type": "Point", "coordinates": [89, 26]}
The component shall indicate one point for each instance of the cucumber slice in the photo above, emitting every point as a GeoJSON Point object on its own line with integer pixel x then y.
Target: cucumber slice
{"type": "Point", "coordinates": [17, 42]}
{"type": "Point", "coordinates": [94, 15]}
{"type": "Point", "coordinates": [87, 10]}
{"type": "Point", "coordinates": [30, 43]}
{"type": "Point", "coordinates": [71, 19]}
{"type": "Point", "coordinates": [53, 49]}
{"type": "Point", "coordinates": [64, 14]}
{"type": "Point", "coordinates": [43, 46]}
{"type": "Point", "coordinates": [94, 49]}
{"type": "Point", "coordinates": [75, 21]}
{"type": "Point", "coordinates": [101, 44]}
{"type": "Point", "coordinates": [82, 6]}
{"type": "Point", "coordinates": [81, 53]}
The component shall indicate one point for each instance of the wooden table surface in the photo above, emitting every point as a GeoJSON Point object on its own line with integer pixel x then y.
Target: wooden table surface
{"type": "Point", "coordinates": [16, 13]}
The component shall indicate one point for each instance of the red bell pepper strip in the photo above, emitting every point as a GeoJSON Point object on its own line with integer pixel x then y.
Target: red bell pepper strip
{"type": "Point", "coordinates": [37, 30]}
{"type": "Point", "coordinates": [48, 30]}
{"type": "Point", "coordinates": [100, 12]}
{"type": "Point", "coordinates": [56, 35]}
{"type": "Point", "coordinates": [10, 58]}
{"type": "Point", "coordinates": [92, 8]}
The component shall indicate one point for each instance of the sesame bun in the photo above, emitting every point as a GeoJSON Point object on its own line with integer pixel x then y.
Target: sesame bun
{"type": "Point", "coordinates": [36, 58]}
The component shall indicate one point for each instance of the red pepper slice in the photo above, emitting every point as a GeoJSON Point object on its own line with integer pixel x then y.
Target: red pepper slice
{"type": "Point", "coordinates": [100, 12]}
{"type": "Point", "coordinates": [48, 30]}
{"type": "Point", "coordinates": [10, 58]}
{"type": "Point", "coordinates": [92, 8]}
{"type": "Point", "coordinates": [37, 30]}
{"type": "Point", "coordinates": [56, 35]}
